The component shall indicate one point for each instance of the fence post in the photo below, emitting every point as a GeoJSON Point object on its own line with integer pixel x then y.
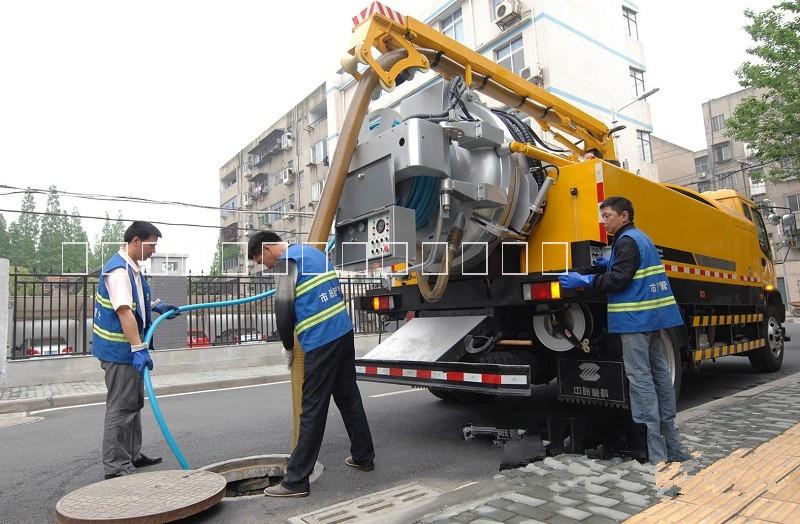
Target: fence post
{"type": "Point", "coordinates": [84, 317]}
{"type": "Point", "coordinates": [3, 319]}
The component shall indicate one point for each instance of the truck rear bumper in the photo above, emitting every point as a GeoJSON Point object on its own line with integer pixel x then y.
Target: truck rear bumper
{"type": "Point", "coordinates": [493, 379]}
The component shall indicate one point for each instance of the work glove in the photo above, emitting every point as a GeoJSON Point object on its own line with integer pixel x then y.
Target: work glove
{"type": "Point", "coordinates": [162, 308]}
{"type": "Point", "coordinates": [574, 280]}
{"type": "Point", "coordinates": [141, 359]}
{"type": "Point", "coordinates": [288, 354]}
{"type": "Point", "coordinates": [601, 262]}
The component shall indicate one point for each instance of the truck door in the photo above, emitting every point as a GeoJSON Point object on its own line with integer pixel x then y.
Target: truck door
{"type": "Point", "coordinates": [765, 271]}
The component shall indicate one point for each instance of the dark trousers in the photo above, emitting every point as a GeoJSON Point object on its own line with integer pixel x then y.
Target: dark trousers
{"type": "Point", "coordinates": [122, 433]}
{"type": "Point", "coordinates": [329, 370]}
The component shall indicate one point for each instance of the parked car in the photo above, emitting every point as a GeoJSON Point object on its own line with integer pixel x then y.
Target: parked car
{"type": "Point", "coordinates": [197, 338]}
{"type": "Point", "coordinates": [45, 346]}
{"type": "Point", "coordinates": [239, 336]}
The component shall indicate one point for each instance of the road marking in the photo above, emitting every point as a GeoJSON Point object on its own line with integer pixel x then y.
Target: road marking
{"type": "Point", "coordinates": [164, 396]}
{"type": "Point", "coordinates": [395, 393]}
{"type": "Point", "coordinates": [465, 485]}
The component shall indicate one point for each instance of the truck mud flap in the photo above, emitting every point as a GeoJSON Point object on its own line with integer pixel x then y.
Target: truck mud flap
{"type": "Point", "coordinates": [600, 382]}
{"type": "Point", "coordinates": [493, 379]}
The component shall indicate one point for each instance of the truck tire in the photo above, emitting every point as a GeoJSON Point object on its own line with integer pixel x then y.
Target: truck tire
{"type": "Point", "coordinates": [672, 352]}
{"type": "Point", "coordinates": [769, 358]}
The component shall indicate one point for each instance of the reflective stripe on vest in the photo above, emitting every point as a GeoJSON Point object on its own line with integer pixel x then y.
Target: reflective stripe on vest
{"type": "Point", "coordinates": [109, 335]}
{"type": "Point", "coordinates": [322, 316]}
{"type": "Point", "coordinates": [641, 306]}
{"type": "Point", "coordinates": [106, 303]}
{"type": "Point", "coordinates": [647, 271]}
{"type": "Point", "coordinates": [313, 282]}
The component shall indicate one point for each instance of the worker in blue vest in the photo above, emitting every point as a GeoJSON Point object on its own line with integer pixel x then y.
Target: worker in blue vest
{"type": "Point", "coordinates": [309, 303]}
{"type": "Point", "coordinates": [640, 304]}
{"type": "Point", "coordinates": [122, 310]}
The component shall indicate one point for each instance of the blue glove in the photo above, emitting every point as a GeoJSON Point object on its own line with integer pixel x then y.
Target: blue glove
{"type": "Point", "coordinates": [141, 359]}
{"type": "Point", "coordinates": [163, 308]}
{"type": "Point", "coordinates": [601, 262]}
{"type": "Point", "coordinates": [574, 280]}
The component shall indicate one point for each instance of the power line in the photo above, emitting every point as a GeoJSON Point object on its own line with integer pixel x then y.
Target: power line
{"type": "Point", "coordinates": [89, 217]}
{"type": "Point", "coordinates": [138, 200]}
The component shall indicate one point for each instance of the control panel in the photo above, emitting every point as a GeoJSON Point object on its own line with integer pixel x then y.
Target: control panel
{"type": "Point", "coordinates": [380, 239]}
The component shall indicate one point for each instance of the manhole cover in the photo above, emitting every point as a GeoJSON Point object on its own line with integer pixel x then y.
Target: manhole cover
{"type": "Point", "coordinates": [159, 496]}
{"type": "Point", "coordinates": [248, 476]}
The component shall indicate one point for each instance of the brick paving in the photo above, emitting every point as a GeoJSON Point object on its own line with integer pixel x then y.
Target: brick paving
{"type": "Point", "coordinates": [573, 488]}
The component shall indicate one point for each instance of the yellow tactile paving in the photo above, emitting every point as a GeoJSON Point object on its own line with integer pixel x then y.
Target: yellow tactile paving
{"type": "Point", "coordinates": [749, 486]}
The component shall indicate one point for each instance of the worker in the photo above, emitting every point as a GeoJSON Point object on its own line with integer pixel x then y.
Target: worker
{"type": "Point", "coordinates": [640, 303]}
{"type": "Point", "coordinates": [122, 312]}
{"type": "Point", "coordinates": [309, 302]}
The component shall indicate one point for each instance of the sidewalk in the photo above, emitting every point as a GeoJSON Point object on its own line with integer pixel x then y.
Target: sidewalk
{"type": "Point", "coordinates": [32, 398]}
{"type": "Point", "coordinates": [746, 469]}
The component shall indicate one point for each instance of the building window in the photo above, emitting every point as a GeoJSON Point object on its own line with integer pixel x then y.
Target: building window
{"type": "Point", "coordinates": [717, 123]}
{"type": "Point", "coordinates": [727, 180]}
{"type": "Point", "coordinates": [645, 147]}
{"type": "Point", "coordinates": [722, 152]}
{"type": "Point", "coordinates": [701, 164]}
{"type": "Point", "coordinates": [319, 151]}
{"type": "Point", "coordinates": [316, 190]}
{"type": "Point", "coordinates": [637, 80]}
{"type": "Point", "coordinates": [169, 267]}
{"type": "Point", "coordinates": [630, 20]}
{"type": "Point", "coordinates": [277, 211]}
{"type": "Point", "coordinates": [511, 56]}
{"type": "Point", "coordinates": [263, 219]}
{"type": "Point", "coordinates": [227, 207]}
{"type": "Point", "coordinates": [453, 26]}
{"type": "Point", "coordinates": [703, 186]}
{"type": "Point", "coordinates": [793, 201]}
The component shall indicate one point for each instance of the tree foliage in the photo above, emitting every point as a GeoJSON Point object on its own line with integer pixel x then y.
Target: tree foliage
{"type": "Point", "coordinates": [770, 120]}
{"type": "Point", "coordinates": [24, 233]}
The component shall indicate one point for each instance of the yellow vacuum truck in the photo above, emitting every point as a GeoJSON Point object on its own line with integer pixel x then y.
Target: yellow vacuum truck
{"type": "Point", "coordinates": [455, 194]}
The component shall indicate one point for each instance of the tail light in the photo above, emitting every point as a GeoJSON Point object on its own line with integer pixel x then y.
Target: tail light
{"type": "Point", "coordinates": [31, 352]}
{"type": "Point", "coordinates": [68, 349]}
{"type": "Point", "coordinates": [541, 291]}
{"type": "Point", "coordinates": [382, 303]}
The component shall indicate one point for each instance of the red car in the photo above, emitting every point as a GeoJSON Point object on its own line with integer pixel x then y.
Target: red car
{"type": "Point", "coordinates": [197, 339]}
{"type": "Point", "coordinates": [46, 346]}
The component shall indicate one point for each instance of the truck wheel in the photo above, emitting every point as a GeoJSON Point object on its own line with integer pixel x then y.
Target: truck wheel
{"type": "Point", "coordinates": [460, 397]}
{"type": "Point", "coordinates": [769, 358]}
{"type": "Point", "coordinates": [672, 352]}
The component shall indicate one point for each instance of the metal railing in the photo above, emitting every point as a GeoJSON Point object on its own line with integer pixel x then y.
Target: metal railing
{"type": "Point", "coordinates": [52, 315]}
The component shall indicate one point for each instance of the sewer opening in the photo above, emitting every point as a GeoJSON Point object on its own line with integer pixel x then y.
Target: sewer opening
{"type": "Point", "coordinates": [249, 476]}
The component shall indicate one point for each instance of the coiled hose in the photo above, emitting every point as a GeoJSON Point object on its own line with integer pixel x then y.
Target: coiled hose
{"type": "Point", "coordinates": [148, 383]}
{"type": "Point", "coordinates": [435, 294]}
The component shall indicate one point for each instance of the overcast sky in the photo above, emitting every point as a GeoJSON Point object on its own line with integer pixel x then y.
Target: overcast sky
{"type": "Point", "coordinates": [150, 98]}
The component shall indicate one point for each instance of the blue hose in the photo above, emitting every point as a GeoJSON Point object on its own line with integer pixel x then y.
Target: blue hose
{"type": "Point", "coordinates": [148, 383]}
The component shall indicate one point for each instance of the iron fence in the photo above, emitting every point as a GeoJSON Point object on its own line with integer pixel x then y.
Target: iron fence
{"type": "Point", "coordinates": [52, 315]}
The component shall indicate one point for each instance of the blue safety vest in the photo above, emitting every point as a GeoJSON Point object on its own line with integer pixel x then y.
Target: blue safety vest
{"type": "Point", "coordinates": [320, 313]}
{"type": "Point", "coordinates": [108, 339]}
{"type": "Point", "coordinates": [647, 303]}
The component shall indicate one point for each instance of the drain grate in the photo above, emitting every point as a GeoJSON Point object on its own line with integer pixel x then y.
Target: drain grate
{"type": "Point", "coordinates": [369, 506]}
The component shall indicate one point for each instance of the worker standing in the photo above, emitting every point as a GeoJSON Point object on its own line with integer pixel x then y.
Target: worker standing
{"type": "Point", "coordinates": [309, 302]}
{"type": "Point", "coordinates": [122, 311]}
{"type": "Point", "coordinates": [640, 303]}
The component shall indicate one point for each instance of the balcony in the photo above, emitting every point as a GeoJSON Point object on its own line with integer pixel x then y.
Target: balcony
{"type": "Point", "coordinates": [266, 148]}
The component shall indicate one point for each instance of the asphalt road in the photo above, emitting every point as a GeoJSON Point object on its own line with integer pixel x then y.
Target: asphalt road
{"type": "Point", "coordinates": [417, 438]}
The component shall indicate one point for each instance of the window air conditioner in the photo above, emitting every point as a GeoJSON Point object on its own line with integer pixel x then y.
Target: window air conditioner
{"type": "Point", "coordinates": [287, 176]}
{"type": "Point", "coordinates": [286, 140]}
{"type": "Point", "coordinates": [506, 13]}
{"type": "Point", "coordinates": [701, 174]}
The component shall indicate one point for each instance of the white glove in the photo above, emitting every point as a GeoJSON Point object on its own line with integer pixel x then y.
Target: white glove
{"type": "Point", "coordinates": [288, 354]}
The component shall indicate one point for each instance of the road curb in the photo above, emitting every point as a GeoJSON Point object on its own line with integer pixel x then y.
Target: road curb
{"type": "Point", "coordinates": [38, 403]}
{"type": "Point", "coordinates": [703, 409]}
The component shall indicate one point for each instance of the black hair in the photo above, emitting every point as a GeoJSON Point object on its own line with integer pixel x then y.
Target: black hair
{"type": "Point", "coordinates": [257, 240]}
{"type": "Point", "coordinates": [619, 204]}
{"type": "Point", "coordinates": [141, 229]}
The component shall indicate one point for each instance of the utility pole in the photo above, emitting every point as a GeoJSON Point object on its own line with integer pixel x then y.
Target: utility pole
{"type": "Point", "coordinates": [745, 178]}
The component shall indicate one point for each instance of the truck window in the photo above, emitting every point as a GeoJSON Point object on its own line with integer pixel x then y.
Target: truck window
{"type": "Point", "coordinates": [763, 239]}
{"type": "Point", "coordinates": [747, 213]}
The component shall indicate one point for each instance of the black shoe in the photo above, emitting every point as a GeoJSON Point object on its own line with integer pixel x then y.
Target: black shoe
{"type": "Point", "coordinates": [279, 490]}
{"type": "Point", "coordinates": [144, 461]}
{"type": "Point", "coordinates": [366, 465]}
{"type": "Point", "coordinates": [115, 475]}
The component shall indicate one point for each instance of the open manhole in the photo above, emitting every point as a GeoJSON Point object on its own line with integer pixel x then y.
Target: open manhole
{"type": "Point", "coordinates": [249, 476]}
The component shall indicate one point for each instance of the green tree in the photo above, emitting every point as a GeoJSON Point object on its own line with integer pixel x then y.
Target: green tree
{"type": "Point", "coordinates": [4, 241]}
{"type": "Point", "coordinates": [51, 235]}
{"type": "Point", "coordinates": [111, 233]}
{"type": "Point", "coordinates": [75, 255]}
{"type": "Point", "coordinates": [23, 234]}
{"type": "Point", "coordinates": [216, 264]}
{"type": "Point", "coordinates": [770, 120]}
